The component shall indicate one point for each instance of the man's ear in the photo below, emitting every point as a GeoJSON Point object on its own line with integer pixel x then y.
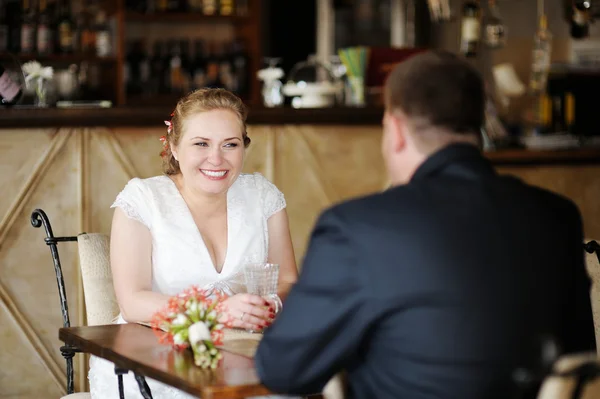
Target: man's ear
{"type": "Point", "coordinates": [398, 132]}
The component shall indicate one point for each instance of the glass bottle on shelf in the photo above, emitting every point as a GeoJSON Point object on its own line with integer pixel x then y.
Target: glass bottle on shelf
{"type": "Point", "coordinates": [44, 40]}
{"type": "Point", "coordinates": [580, 18]}
{"type": "Point", "coordinates": [161, 5]}
{"type": "Point", "coordinates": [495, 30]}
{"type": "Point", "coordinates": [241, 8]}
{"type": "Point", "coordinates": [186, 65]}
{"type": "Point", "coordinates": [87, 34]}
{"type": "Point", "coordinates": [470, 28]}
{"type": "Point", "coordinates": [195, 5]}
{"type": "Point", "coordinates": [240, 68]}
{"type": "Point", "coordinates": [145, 68]}
{"type": "Point", "coordinates": [542, 49]}
{"type": "Point", "coordinates": [226, 7]}
{"type": "Point", "coordinates": [13, 8]}
{"type": "Point", "coordinates": [199, 65]}
{"type": "Point", "coordinates": [175, 72]}
{"type": "Point", "coordinates": [102, 33]}
{"type": "Point", "coordinates": [66, 29]}
{"type": "Point", "coordinates": [209, 7]}
{"type": "Point", "coordinates": [27, 28]}
{"type": "Point", "coordinates": [3, 27]}
{"type": "Point", "coordinates": [157, 69]}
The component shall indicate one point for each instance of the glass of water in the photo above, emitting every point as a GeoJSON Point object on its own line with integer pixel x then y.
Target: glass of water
{"type": "Point", "coordinates": [261, 280]}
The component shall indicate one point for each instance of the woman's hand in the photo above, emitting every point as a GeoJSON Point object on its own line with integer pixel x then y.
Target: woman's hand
{"type": "Point", "coordinates": [247, 311]}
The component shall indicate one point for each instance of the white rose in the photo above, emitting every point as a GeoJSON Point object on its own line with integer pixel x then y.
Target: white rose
{"type": "Point", "coordinates": [180, 320]}
{"type": "Point", "coordinates": [198, 332]}
{"type": "Point", "coordinates": [178, 339]}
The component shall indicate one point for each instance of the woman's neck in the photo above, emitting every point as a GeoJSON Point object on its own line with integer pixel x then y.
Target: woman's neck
{"type": "Point", "coordinates": [200, 201]}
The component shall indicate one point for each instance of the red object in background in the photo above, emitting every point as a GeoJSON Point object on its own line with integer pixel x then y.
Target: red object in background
{"type": "Point", "coordinates": [382, 60]}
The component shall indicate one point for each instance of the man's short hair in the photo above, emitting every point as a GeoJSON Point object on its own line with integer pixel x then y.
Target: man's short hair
{"type": "Point", "coordinates": [437, 89]}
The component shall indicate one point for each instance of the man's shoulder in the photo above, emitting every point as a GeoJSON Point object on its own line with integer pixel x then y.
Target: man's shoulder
{"type": "Point", "coordinates": [366, 207]}
{"type": "Point", "coordinates": [544, 197]}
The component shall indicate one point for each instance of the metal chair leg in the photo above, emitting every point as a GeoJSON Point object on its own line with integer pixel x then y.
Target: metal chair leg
{"type": "Point", "coordinates": [68, 352]}
{"type": "Point", "coordinates": [144, 388]}
{"type": "Point", "coordinates": [119, 372]}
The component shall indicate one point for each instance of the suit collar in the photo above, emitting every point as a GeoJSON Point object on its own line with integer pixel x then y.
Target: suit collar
{"type": "Point", "coordinates": [452, 154]}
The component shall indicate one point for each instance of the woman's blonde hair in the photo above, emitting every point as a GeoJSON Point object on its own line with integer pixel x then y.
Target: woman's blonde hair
{"type": "Point", "coordinates": [196, 102]}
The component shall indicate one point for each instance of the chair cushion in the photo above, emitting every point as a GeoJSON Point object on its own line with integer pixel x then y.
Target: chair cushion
{"type": "Point", "coordinates": [100, 300]}
{"type": "Point", "coordinates": [78, 395]}
{"type": "Point", "coordinates": [561, 387]}
{"type": "Point", "coordinates": [593, 269]}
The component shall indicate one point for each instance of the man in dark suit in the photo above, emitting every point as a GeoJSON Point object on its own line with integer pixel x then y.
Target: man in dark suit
{"type": "Point", "coordinates": [440, 286]}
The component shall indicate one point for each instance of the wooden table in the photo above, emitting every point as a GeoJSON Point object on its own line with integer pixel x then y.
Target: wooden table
{"type": "Point", "coordinates": [136, 348]}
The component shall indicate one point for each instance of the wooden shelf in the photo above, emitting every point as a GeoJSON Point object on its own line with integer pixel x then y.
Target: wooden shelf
{"type": "Point", "coordinates": [62, 58]}
{"type": "Point", "coordinates": [185, 17]}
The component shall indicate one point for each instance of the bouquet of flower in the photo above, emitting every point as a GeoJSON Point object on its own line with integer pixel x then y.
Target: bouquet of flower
{"type": "Point", "coordinates": [190, 320]}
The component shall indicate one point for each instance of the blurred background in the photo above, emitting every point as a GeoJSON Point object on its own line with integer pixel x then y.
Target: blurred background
{"type": "Point", "coordinates": [85, 87]}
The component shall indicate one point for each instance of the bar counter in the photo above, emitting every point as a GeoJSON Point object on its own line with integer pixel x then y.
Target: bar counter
{"type": "Point", "coordinates": [153, 116]}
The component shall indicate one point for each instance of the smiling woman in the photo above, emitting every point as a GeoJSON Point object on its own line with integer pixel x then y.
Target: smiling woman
{"type": "Point", "coordinates": [198, 224]}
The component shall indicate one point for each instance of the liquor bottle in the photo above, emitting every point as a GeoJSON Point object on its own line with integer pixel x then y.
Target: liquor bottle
{"type": "Point", "coordinates": [157, 69]}
{"type": "Point", "coordinates": [186, 65]}
{"type": "Point", "coordinates": [241, 8]}
{"type": "Point", "coordinates": [87, 34]}
{"type": "Point", "coordinates": [495, 31]}
{"type": "Point", "coordinates": [27, 28]}
{"type": "Point", "coordinates": [195, 5]}
{"type": "Point", "coordinates": [66, 29]}
{"type": "Point", "coordinates": [470, 28]}
{"type": "Point", "coordinates": [213, 78]}
{"type": "Point", "coordinates": [13, 8]}
{"type": "Point", "coordinates": [542, 49]}
{"type": "Point", "coordinates": [580, 18]}
{"type": "Point", "coordinates": [44, 36]}
{"type": "Point", "coordinates": [173, 6]}
{"type": "Point", "coordinates": [240, 68]}
{"type": "Point", "coordinates": [226, 7]}
{"type": "Point", "coordinates": [209, 7]}
{"type": "Point", "coordinates": [3, 27]}
{"type": "Point", "coordinates": [145, 70]}
{"type": "Point", "coordinates": [175, 71]}
{"type": "Point", "coordinates": [199, 66]}
{"type": "Point", "coordinates": [127, 68]}
{"type": "Point", "coordinates": [161, 5]}
{"type": "Point", "coordinates": [10, 91]}
{"type": "Point", "coordinates": [102, 33]}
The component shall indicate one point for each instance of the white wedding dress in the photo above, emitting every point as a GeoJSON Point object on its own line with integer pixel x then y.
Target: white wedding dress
{"type": "Point", "coordinates": [180, 258]}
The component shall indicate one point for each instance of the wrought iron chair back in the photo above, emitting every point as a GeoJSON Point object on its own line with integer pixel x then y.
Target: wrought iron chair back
{"type": "Point", "coordinates": [592, 247]}
{"type": "Point", "coordinates": [39, 219]}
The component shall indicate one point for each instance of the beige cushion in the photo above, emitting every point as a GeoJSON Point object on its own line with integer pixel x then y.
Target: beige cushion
{"type": "Point", "coordinates": [78, 395]}
{"type": "Point", "coordinates": [593, 269]}
{"type": "Point", "coordinates": [556, 387]}
{"type": "Point", "coordinates": [100, 301]}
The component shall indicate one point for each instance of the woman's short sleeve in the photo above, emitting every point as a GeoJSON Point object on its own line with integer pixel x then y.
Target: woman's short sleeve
{"type": "Point", "coordinates": [134, 202]}
{"type": "Point", "coordinates": [272, 199]}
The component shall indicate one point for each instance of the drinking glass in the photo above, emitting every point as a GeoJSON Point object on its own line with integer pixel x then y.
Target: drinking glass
{"type": "Point", "coordinates": [261, 280]}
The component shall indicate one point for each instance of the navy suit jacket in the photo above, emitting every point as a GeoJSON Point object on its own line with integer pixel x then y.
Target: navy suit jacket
{"type": "Point", "coordinates": [434, 289]}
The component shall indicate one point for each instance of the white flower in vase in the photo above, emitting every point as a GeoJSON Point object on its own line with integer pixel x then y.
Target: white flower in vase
{"type": "Point", "coordinates": [34, 71]}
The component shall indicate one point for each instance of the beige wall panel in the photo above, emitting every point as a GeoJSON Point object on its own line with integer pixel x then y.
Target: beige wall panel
{"type": "Point", "coordinates": [23, 375]}
{"type": "Point", "coordinates": [142, 147]}
{"type": "Point", "coordinates": [26, 269]}
{"type": "Point", "coordinates": [260, 154]}
{"type": "Point", "coordinates": [20, 150]}
{"type": "Point", "coordinates": [580, 183]}
{"type": "Point", "coordinates": [316, 168]}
